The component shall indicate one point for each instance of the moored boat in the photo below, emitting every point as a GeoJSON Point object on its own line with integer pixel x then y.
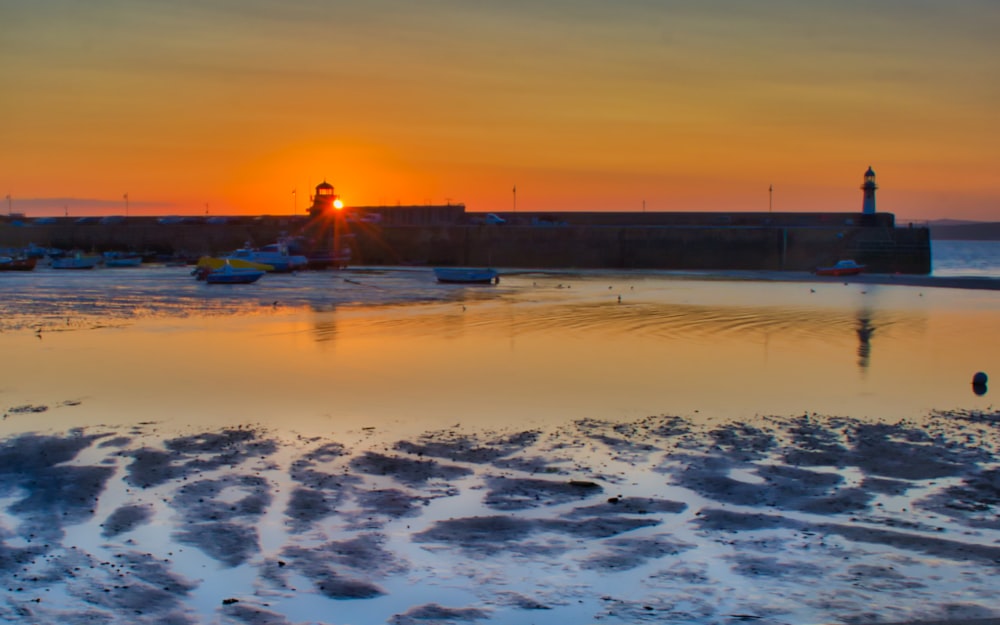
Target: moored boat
{"type": "Point", "coordinates": [8, 263]}
{"type": "Point", "coordinates": [228, 274]}
{"type": "Point", "coordinates": [209, 264]}
{"type": "Point", "coordinates": [120, 259]}
{"type": "Point", "coordinates": [76, 261]}
{"type": "Point", "coordinates": [463, 275]}
{"type": "Point", "coordinates": [840, 268]}
{"type": "Point", "coordinates": [276, 255]}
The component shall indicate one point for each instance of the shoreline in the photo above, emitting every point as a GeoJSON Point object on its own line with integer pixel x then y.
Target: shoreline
{"type": "Point", "coordinates": [929, 281]}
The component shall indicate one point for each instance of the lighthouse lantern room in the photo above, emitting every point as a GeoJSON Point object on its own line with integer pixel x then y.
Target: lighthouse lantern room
{"type": "Point", "coordinates": [869, 186]}
{"type": "Point", "coordinates": [324, 201]}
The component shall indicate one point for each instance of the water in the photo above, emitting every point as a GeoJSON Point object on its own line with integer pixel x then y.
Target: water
{"type": "Point", "coordinates": [369, 446]}
{"type": "Point", "coordinates": [965, 258]}
{"type": "Point", "coordinates": [540, 346]}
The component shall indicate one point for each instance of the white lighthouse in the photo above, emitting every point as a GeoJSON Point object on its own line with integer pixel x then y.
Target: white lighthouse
{"type": "Point", "coordinates": [868, 204]}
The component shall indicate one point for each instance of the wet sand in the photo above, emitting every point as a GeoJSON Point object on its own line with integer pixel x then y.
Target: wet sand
{"type": "Point", "coordinates": [809, 519]}
{"type": "Point", "coordinates": [141, 484]}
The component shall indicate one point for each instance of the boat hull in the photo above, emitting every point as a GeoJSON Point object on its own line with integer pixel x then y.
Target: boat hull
{"type": "Point", "coordinates": [841, 268]}
{"type": "Point", "coordinates": [76, 262]}
{"type": "Point", "coordinates": [123, 262]}
{"type": "Point", "coordinates": [234, 276]}
{"type": "Point", "coordinates": [838, 272]}
{"type": "Point", "coordinates": [17, 264]}
{"type": "Point", "coordinates": [455, 275]}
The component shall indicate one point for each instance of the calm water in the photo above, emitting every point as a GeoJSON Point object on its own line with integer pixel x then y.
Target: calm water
{"type": "Point", "coordinates": [393, 346]}
{"type": "Point", "coordinates": [965, 258]}
{"type": "Point", "coordinates": [369, 446]}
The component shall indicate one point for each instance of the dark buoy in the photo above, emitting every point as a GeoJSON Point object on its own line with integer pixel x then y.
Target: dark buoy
{"type": "Point", "coordinates": [979, 383]}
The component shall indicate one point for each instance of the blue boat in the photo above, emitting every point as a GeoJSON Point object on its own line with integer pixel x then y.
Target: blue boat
{"type": "Point", "coordinates": [227, 274]}
{"type": "Point", "coordinates": [460, 275]}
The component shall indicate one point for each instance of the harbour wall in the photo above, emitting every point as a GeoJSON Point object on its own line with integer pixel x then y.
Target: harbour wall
{"type": "Point", "coordinates": [664, 241]}
{"type": "Point", "coordinates": [895, 250]}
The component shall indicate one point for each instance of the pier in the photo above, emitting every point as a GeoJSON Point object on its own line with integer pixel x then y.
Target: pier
{"type": "Point", "coordinates": [447, 235]}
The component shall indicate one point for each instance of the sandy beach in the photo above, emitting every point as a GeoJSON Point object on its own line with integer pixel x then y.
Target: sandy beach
{"type": "Point", "coordinates": [654, 484]}
{"type": "Point", "coordinates": [803, 520]}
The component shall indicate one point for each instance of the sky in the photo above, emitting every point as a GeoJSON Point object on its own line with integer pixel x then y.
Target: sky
{"type": "Point", "coordinates": [243, 106]}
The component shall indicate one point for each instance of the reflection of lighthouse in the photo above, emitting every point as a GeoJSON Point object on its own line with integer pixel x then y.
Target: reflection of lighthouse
{"type": "Point", "coordinates": [868, 205]}
{"type": "Point", "coordinates": [865, 330]}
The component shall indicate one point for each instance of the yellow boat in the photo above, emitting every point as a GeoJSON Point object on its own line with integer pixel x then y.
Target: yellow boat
{"type": "Point", "coordinates": [212, 263]}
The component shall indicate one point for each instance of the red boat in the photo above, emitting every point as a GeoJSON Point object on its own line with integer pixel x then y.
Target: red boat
{"type": "Point", "coordinates": [841, 268]}
{"type": "Point", "coordinates": [17, 264]}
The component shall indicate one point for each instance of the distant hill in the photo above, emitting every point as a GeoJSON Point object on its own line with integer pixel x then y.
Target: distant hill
{"type": "Point", "coordinates": [950, 229]}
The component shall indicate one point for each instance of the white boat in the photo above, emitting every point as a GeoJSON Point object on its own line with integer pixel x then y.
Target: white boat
{"type": "Point", "coordinates": [76, 261]}
{"type": "Point", "coordinates": [276, 255]}
{"type": "Point", "coordinates": [462, 275]}
{"type": "Point", "coordinates": [227, 274]}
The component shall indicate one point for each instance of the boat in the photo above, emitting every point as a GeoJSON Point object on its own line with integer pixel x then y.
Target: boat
{"type": "Point", "coordinates": [120, 259]}
{"type": "Point", "coordinates": [461, 275]}
{"type": "Point", "coordinates": [9, 263]}
{"type": "Point", "coordinates": [276, 255]}
{"type": "Point", "coordinates": [840, 268]}
{"type": "Point", "coordinates": [76, 261]}
{"type": "Point", "coordinates": [209, 264]}
{"type": "Point", "coordinates": [228, 274]}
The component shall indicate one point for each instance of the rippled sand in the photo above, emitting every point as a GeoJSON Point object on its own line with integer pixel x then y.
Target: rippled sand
{"type": "Point", "coordinates": [805, 520]}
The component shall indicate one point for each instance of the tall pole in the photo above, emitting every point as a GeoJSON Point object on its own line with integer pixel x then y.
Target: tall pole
{"type": "Point", "coordinates": [295, 201]}
{"type": "Point", "coordinates": [10, 211]}
{"type": "Point", "coordinates": [126, 204]}
{"type": "Point", "coordinates": [515, 198]}
{"type": "Point", "coordinates": [770, 198]}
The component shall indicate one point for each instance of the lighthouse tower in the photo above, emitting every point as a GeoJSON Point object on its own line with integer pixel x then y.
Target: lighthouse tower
{"type": "Point", "coordinates": [868, 204]}
{"type": "Point", "coordinates": [324, 201]}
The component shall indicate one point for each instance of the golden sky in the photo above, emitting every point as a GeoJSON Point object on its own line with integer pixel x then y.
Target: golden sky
{"type": "Point", "coordinates": [228, 106]}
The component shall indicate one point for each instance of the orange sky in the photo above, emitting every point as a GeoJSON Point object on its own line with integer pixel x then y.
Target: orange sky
{"type": "Point", "coordinates": [230, 105]}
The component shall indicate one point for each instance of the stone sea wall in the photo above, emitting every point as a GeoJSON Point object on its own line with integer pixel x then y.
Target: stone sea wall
{"type": "Point", "coordinates": [892, 250]}
{"type": "Point", "coordinates": [720, 242]}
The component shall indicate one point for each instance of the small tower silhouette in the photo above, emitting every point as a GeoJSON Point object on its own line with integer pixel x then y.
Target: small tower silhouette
{"type": "Point", "coordinates": [323, 201]}
{"type": "Point", "coordinates": [868, 204]}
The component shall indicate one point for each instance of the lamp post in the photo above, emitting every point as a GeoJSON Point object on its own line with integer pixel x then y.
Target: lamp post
{"type": "Point", "coordinates": [126, 204]}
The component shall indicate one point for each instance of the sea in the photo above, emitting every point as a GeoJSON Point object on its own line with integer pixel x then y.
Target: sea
{"type": "Point", "coordinates": [965, 258]}
{"type": "Point", "coordinates": [370, 446]}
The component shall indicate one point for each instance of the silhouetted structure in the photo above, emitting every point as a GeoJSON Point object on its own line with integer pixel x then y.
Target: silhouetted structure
{"type": "Point", "coordinates": [869, 186]}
